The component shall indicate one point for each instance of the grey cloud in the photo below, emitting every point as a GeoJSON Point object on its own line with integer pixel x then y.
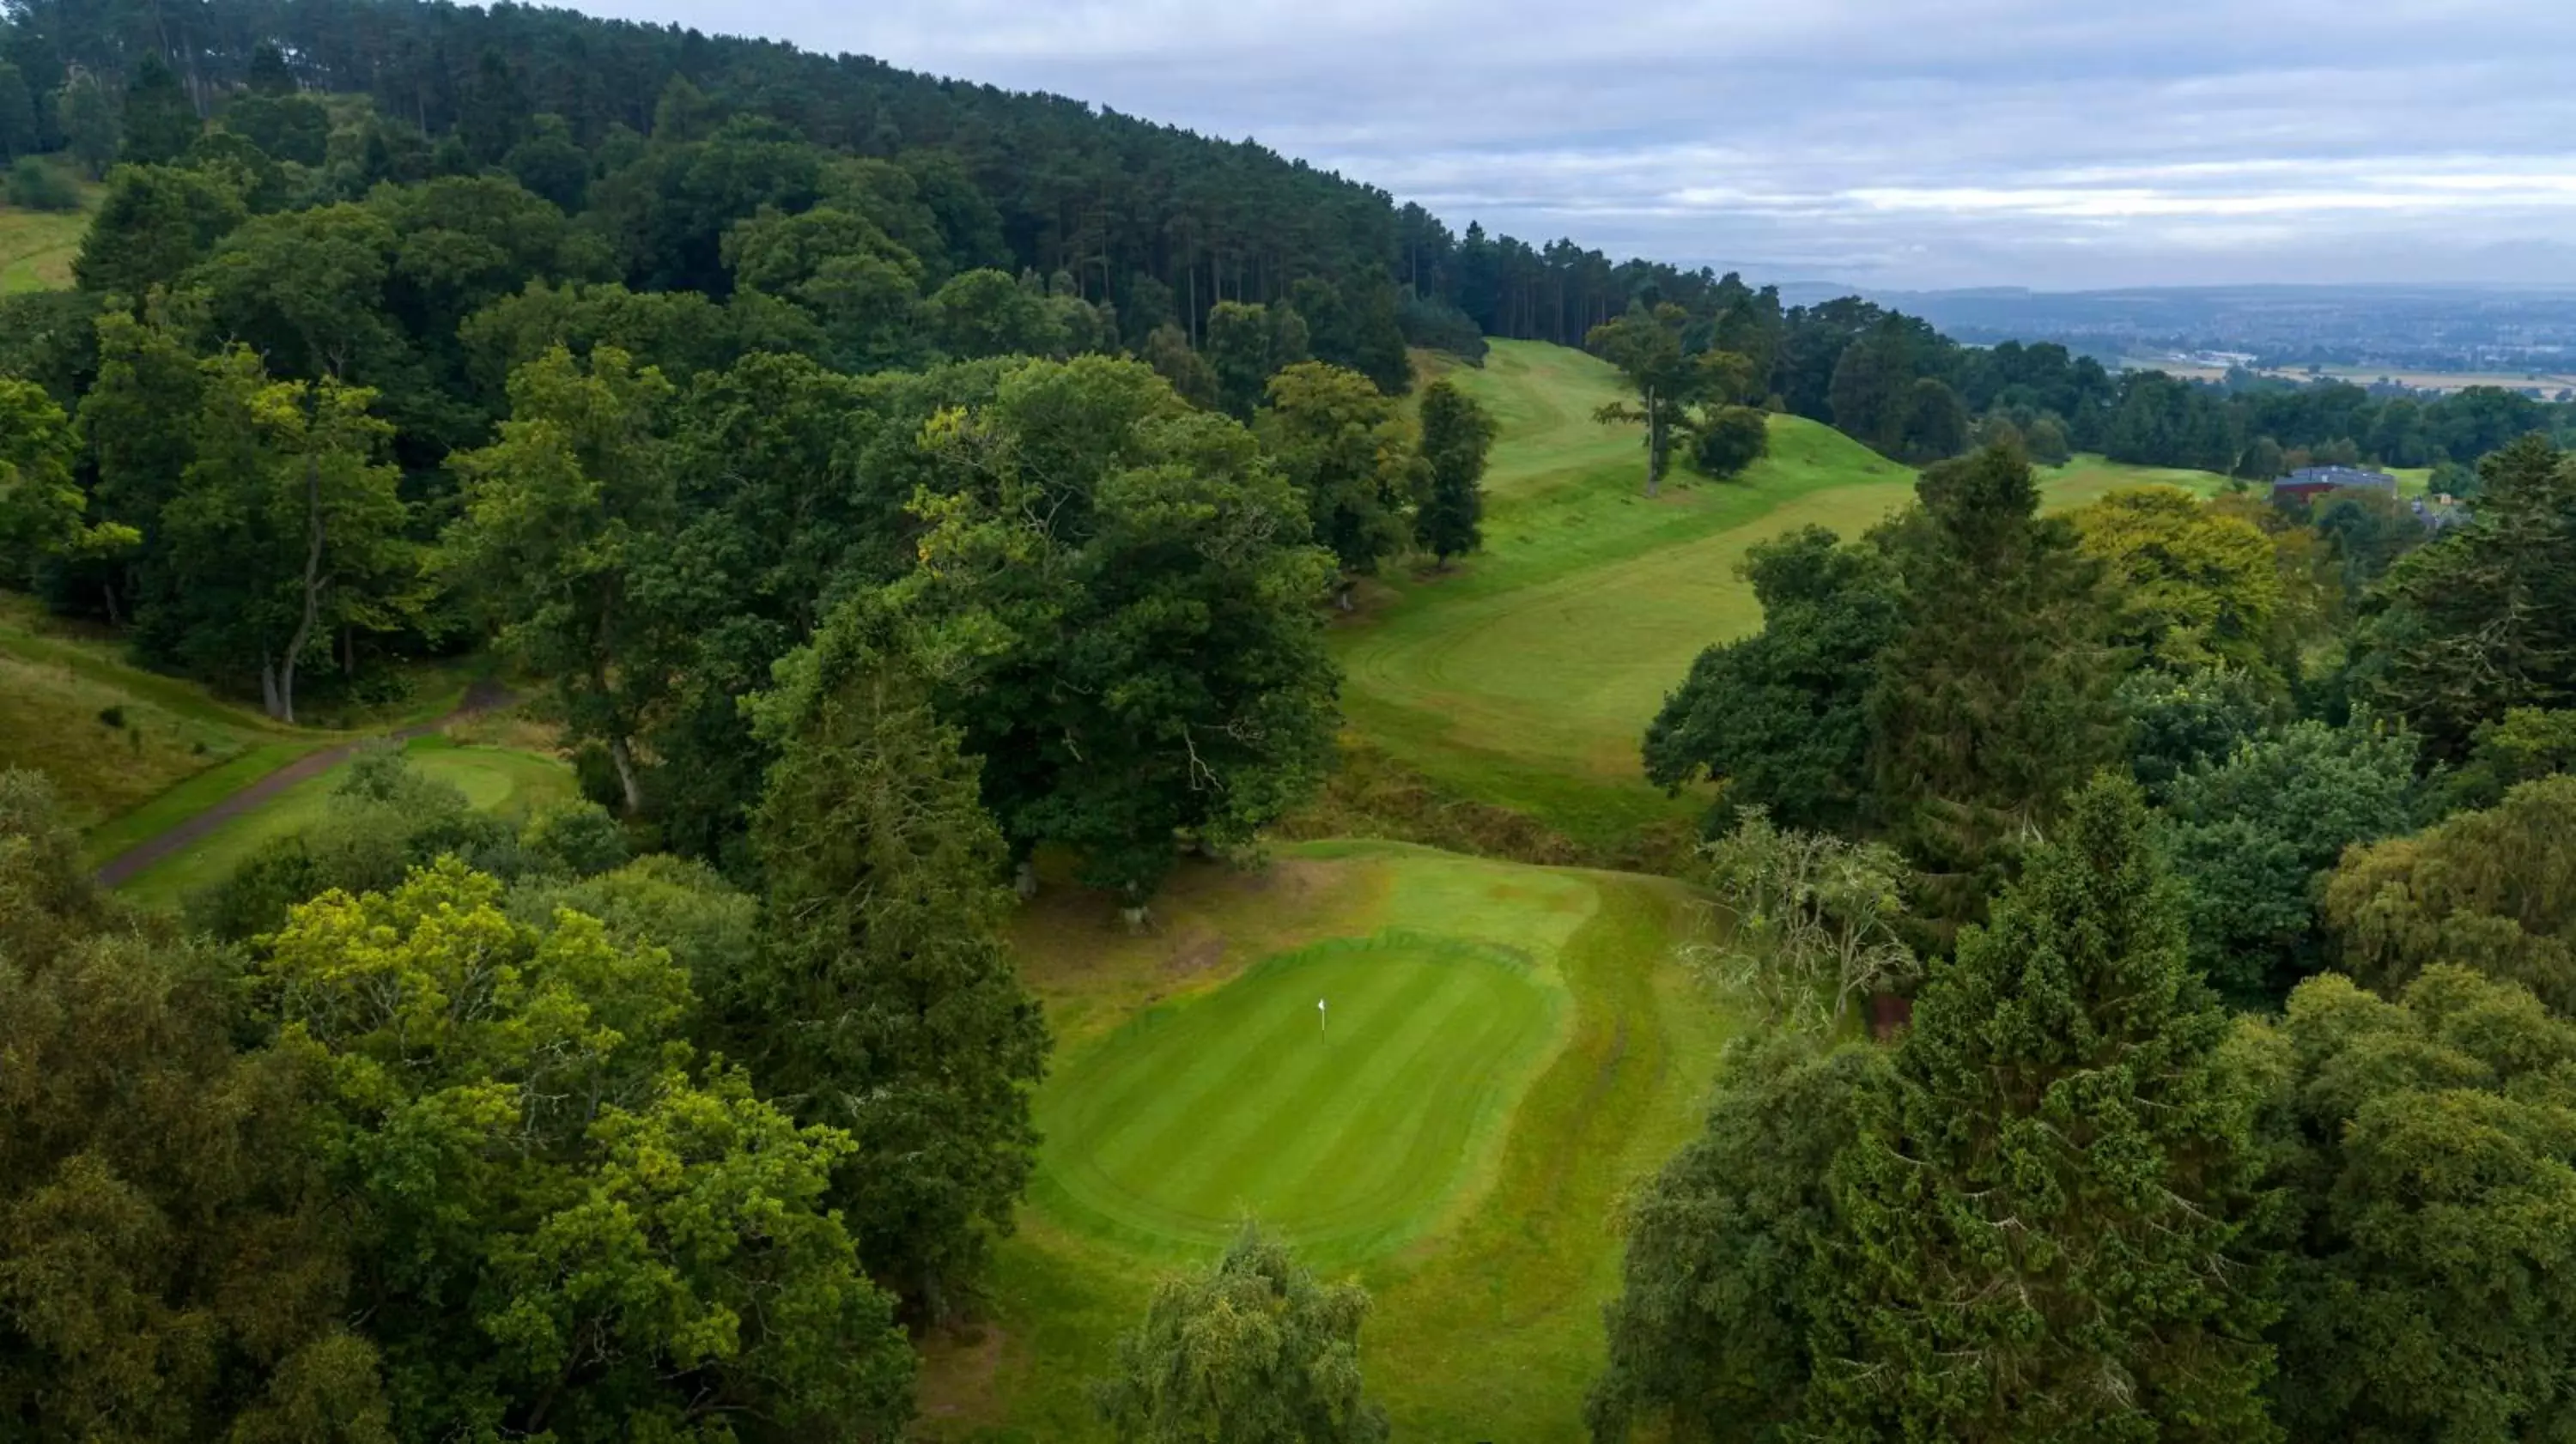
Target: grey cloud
{"type": "Point", "coordinates": [1893, 142]}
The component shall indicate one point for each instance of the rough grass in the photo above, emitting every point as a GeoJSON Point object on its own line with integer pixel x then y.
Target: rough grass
{"type": "Point", "coordinates": [57, 694]}
{"type": "Point", "coordinates": [176, 748]}
{"type": "Point", "coordinates": [1526, 676]}
{"type": "Point", "coordinates": [493, 779]}
{"type": "Point", "coordinates": [107, 751]}
{"type": "Point", "coordinates": [1546, 1045]}
{"type": "Point", "coordinates": [36, 247]}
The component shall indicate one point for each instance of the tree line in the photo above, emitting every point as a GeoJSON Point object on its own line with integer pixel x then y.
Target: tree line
{"type": "Point", "coordinates": [1893, 383]}
{"type": "Point", "coordinates": [2221, 847]}
{"type": "Point", "coordinates": [1150, 226]}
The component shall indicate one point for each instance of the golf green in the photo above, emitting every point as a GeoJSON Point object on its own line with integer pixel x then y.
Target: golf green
{"type": "Point", "coordinates": [1344, 1129]}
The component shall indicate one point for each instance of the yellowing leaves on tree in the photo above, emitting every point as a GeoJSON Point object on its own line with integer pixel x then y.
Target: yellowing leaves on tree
{"type": "Point", "coordinates": [2198, 584]}
{"type": "Point", "coordinates": [566, 1221]}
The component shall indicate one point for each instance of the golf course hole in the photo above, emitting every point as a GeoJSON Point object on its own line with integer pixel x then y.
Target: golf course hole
{"type": "Point", "coordinates": [1344, 1133]}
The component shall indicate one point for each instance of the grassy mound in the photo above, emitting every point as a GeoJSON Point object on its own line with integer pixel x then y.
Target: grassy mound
{"type": "Point", "coordinates": [113, 736]}
{"type": "Point", "coordinates": [1509, 1049]}
{"type": "Point", "coordinates": [134, 753]}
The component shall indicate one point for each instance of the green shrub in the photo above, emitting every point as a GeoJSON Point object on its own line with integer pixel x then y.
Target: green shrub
{"type": "Point", "coordinates": [36, 186]}
{"type": "Point", "coordinates": [574, 839]}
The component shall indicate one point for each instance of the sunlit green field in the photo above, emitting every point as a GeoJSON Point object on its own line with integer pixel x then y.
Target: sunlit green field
{"type": "Point", "coordinates": [1506, 1050]}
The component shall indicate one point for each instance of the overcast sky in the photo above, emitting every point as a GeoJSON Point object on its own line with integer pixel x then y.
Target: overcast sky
{"type": "Point", "coordinates": [1889, 143]}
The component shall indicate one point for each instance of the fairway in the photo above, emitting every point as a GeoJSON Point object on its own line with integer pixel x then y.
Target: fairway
{"type": "Point", "coordinates": [1342, 1129]}
{"type": "Point", "coordinates": [1527, 676]}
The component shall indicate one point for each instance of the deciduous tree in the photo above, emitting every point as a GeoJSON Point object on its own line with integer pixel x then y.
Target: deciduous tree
{"type": "Point", "coordinates": [2179, 721]}
{"type": "Point", "coordinates": [1119, 589]}
{"type": "Point", "coordinates": [1727, 439]}
{"type": "Point", "coordinates": [1807, 920]}
{"type": "Point", "coordinates": [2424, 1148]}
{"type": "Point", "coordinates": [1340, 442]}
{"type": "Point", "coordinates": [565, 515]}
{"type": "Point", "coordinates": [1647, 346]}
{"type": "Point", "coordinates": [2492, 890]}
{"type": "Point", "coordinates": [2195, 585]}
{"type": "Point", "coordinates": [2252, 834]}
{"type": "Point", "coordinates": [1254, 1351]}
{"type": "Point", "coordinates": [177, 1267]}
{"type": "Point", "coordinates": [1782, 718]}
{"type": "Point", "coordinates": [1247, 344]}
{"type": "Point", "coordinates": [44, 517]}
{"type": "Point", "coordinates": [569, 1228]}
{"type": "Point", "coordinates": [1457, 434]}
{"type": "Point", "coordinates": [287, 529]}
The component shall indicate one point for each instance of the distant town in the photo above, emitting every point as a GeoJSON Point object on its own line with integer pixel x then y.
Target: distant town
{"type": "Point", "coordinates": [2388, 338]}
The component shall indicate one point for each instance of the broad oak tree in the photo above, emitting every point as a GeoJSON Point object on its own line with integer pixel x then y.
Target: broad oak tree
{"type": "Point", "coordinates": [566, 518]}
{"type": "Point", "coordinates": [569, 1224]}
{"type": "Point", "coordinates": [1782, 717]}
{"type": "Point", "coordinates": [1116, 592]}
{"type": "Point", "coordinates": [1342, 444]}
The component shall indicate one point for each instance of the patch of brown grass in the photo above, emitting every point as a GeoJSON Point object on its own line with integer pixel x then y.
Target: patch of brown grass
{"type": "Point", "coordinates": [1370, 794]}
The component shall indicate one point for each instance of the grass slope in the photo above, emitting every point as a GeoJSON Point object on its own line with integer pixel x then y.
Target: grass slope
{"type": "Point", "coordinates": [493, 779]}
{"type": "Point", "coordinates": [1512, 1048]}
{"type": "Point", "coordinates": [36, 247]}
{"type": "Point", "coordinates": [134, 752]}
{"type": "Point", "coordinates": [1527, 676]}
{"type": "Point", "coordinates": [127, 749]}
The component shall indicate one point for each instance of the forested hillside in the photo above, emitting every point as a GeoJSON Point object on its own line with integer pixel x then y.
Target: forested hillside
{"type": "Point", "coordinates": [912, 535]}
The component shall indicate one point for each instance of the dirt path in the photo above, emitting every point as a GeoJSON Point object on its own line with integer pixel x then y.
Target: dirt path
{"type": "Point", "coordinates": [482, 696]}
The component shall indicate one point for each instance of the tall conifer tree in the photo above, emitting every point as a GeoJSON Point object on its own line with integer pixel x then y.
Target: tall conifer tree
{"type": "Point", "coordinates": [886, 1003]}
{"type": "Point", "coordinates": [160, 120]}
{"type": "Point", "coordinates": [1997, 695]}
{"type": "Point", "coordinates": [2045, 1215]}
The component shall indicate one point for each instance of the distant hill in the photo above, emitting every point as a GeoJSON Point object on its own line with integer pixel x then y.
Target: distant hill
{"type": "Point", "coordinates": [2494, 329]}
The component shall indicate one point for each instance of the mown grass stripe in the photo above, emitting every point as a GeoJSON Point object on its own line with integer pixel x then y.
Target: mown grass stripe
{"type": "Point", "coordinates": [1172, 1129]}
{"type": "Point", "coordinates": [1188, 1149]}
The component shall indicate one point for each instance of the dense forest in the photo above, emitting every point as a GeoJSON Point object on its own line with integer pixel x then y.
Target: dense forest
{"type": "Point", "coordinates": [887, 480]}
